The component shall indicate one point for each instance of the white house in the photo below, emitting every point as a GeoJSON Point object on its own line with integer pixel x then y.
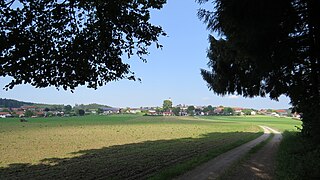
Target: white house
{"type": "Point", "coordinates": [5, 115]}
{"type": "Point", "coordinates": [110, 110]}
{"type": "Point", "coordinates": [275, 114]}
{"type": "Point", "coordinates": [134, 110]}
{"type": "Point", "coordinates": [253, 113]}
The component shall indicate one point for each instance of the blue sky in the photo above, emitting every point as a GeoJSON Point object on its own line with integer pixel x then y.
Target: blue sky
{"type": "Point", "coordinates": [171, 72]}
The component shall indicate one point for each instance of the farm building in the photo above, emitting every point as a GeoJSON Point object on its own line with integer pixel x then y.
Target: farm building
{"type": "Point", "coordinates": [5, 114]}
{"type": "Point", "coordinates": [110, 110]}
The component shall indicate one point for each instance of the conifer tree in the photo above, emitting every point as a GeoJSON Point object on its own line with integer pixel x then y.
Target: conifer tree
{"type": "Point", "coordinates": [267, 48]}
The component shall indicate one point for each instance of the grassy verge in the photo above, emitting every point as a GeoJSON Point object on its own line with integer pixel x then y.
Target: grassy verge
{"type": "Point", "coordinates": [298, 158]}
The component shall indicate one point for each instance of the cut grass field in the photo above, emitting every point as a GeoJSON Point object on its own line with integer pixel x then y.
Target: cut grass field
{"type": "Point", "coordinates": [125, 146]}
{"type": "Point", "coordinates": [281, 124]}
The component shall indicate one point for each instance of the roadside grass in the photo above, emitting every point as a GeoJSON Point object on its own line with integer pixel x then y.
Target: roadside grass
{"type": "Point", "coordinates": [298, 158]}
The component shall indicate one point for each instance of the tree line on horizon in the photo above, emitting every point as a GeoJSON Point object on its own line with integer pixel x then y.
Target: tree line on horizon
{"type": "Point", "coordinates": [11, 103]}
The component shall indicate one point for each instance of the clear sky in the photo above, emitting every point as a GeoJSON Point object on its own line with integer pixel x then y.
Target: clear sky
{"type": "Point", "coordinates": [173, 72]}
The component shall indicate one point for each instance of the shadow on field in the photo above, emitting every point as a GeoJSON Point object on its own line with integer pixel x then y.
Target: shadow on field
{"type": "Point", "coordinates": [129, 161]}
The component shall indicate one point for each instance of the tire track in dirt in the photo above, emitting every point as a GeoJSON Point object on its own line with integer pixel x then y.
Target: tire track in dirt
{"type": "Point", "coordinates": [261, 165]}
{"type": "Point", "coordinates": [215, 167]}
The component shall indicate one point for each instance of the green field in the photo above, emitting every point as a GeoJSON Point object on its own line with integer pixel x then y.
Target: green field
{"type": "Point", "coordinates": [122, 146]}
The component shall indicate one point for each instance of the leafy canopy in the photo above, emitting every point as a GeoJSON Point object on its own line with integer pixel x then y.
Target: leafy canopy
{"type": "Point", "coordinates": [190, 110]}
{"type": "Point", "coordinates": [167, 105]}
{"type": "Point", "coordinates": [74, 42]}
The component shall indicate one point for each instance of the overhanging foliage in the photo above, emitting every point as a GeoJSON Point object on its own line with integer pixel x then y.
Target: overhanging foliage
{"type": "Point", "coordinates": [74, 42]}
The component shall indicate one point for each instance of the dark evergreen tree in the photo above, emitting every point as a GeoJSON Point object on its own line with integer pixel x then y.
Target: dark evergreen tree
{"type": "Point", "coordinates": [74, 42]}
{"type": "Point", "coordinates": [67, 108]}
{"type": "Point", "coordinates": [81, 112]}
{"type": "Point", "coordinates": [268, 47]}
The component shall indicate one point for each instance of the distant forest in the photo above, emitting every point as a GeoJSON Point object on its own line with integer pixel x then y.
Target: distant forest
{"type": "Point", "coordinates": [91, 106]}
{"type": "Point", "coordinates": [10, 103]}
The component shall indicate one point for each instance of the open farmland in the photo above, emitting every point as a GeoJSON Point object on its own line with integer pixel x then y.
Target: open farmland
{"type": "Point", "coordinates": [281, 124]}
{"type": "Point", "coordinates": [118, 147]}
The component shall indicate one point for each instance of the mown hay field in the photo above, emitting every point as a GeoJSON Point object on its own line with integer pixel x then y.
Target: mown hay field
{"type": "Point", "coordinates": [119, 146]}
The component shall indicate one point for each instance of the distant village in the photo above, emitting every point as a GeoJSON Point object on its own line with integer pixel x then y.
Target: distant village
{"type": "Point", "coordinates": [166, 110]}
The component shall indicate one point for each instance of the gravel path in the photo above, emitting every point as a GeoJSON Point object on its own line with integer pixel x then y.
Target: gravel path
{"type": "Point", "coordinates": [260, 165]}
{"type": "Point", "coordinates": [215, 167]}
